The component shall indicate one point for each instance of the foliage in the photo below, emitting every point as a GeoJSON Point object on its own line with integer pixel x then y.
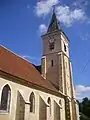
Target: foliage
{"type": "Point", "coordinates": [84, 109]}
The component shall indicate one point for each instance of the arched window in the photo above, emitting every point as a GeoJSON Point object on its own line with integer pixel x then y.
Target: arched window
{"type": "Point", "coordinates": [51, 46]}
{"type": "Point", "coordinates": [5, 98]}
{"type": "Point", "coordinates": [32, 102]}
{"type": "Point", "coordinates": [49, 102]}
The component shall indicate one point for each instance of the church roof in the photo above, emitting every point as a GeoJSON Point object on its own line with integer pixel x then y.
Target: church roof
{"type": "Point", "coordinates": [54, 24]}
{"type": "Point", "coordinates": [21, 68]}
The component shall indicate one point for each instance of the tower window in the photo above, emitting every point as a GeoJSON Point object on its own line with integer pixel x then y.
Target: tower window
{"type": "Point", "coordinates": [51, 43]}
{"type": "Point", "coordinates": [51, 46]}
{"type": "Point", "coordinates": [51, 63]}
{"type": "Point", "coordinates": [65, 48]}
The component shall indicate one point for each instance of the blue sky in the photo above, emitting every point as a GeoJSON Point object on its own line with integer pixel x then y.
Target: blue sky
{"type": "Point", "coordinates": [23, 21]}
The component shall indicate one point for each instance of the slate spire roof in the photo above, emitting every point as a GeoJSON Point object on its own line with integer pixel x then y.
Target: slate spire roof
{"type": "Point", "coordinates": [54, 24]}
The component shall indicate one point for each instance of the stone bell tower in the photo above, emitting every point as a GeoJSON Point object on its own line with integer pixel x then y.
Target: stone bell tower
{"type": "Point", "coordinates": [55, 59]}
{"type": "Point", "coordinates": [56, 65]}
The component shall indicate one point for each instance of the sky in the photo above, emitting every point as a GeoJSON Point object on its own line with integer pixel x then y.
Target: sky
{"type": "Point", "coordinates": [22, 22]}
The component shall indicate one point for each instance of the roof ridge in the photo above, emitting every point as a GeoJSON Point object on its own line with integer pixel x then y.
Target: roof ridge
{"type": "Point", "coordinates": [16, 54]}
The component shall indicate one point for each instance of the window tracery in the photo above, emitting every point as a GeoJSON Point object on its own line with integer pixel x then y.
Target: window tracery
{"type": "Point", "coordinates": [5, 98]}
{"type": "Point", "coordinates": [49, 102]}
{"type": "Point", "coordinates": [32, 102]}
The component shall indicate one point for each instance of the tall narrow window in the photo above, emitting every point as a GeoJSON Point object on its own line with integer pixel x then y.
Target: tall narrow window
{"type": "Point", "coordinates": [65, 48]}
{"type": "Point", "coordinates": [51, 63]}
{"type": "Point", "coordinates": [49, 102]}
{"type": "Point", "coordinates": [5, 98]}
{"type": "Point", "coordinates": [32, 102]}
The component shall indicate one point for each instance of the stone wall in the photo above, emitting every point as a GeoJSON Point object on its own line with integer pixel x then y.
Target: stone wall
{"type": "Point", "coordinates": [20, 105]}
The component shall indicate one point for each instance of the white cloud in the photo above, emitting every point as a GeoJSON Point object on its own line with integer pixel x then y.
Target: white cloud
{"type": "Point", "coordinates": [44, 7]}
{"type": "Point", "coordinates": [64, 13]}
{"type": "Point", "coordinates": [67, 16]}
{"type": "Point", "coordinates": [85, 36]}
{"type": "Point", "coordinates": [81, 3]}
{"type": "Point", "coordinates": [82, 91]}
{"type": "Point", "coordinates": [42, 28]}
{"type": "Point", "coordinates": [82, 88]}
{"type": "Point", "coordinates": [30, 57]}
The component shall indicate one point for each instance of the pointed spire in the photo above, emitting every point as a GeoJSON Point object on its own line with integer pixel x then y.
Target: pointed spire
{"type": "Point", "coordinates": [54, 24]}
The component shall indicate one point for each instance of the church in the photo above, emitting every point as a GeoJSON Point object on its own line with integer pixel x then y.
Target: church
{"type": "Point", "coordinates": [46, 92]}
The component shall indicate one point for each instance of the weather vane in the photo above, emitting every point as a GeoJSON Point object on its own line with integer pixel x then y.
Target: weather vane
{"type": "Point", "coordinates": [54, 8]}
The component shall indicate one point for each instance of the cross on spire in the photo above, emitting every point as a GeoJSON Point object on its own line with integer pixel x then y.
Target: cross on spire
{"type": "Point", "coordinates": [54, 8]}
{"type": "Point", "coordinates": [54, 24]}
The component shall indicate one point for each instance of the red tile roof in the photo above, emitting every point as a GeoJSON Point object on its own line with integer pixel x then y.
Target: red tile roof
{"type": "Point", "coordinates": [21, 68]}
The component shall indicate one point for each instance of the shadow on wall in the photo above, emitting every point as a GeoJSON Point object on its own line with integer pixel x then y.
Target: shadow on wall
{"type": "Point", "coordinates": [20, 108]}
{"type": "Point", "coordinates": [42, 109]}
{"type": "Point", "coordinates": [56, 111]}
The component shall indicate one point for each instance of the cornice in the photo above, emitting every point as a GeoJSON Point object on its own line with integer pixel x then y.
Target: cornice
{"type": "Point", "coordinates": [18, 80]}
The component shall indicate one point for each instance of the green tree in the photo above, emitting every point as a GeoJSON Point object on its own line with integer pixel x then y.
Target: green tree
{"type": "Point", "coordinates": [84, 109]}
